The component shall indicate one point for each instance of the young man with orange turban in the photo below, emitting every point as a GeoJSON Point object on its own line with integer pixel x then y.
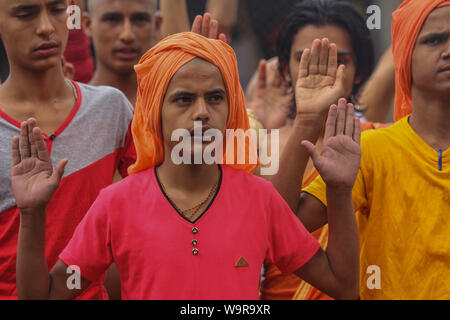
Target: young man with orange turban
{"type": "Point", "coordinates": [189, 231]}
{"type": "Point", "coordinates": [402, 191]}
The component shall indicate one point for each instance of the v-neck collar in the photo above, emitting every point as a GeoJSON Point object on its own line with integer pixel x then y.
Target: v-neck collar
{"type": "Point", "coordinates": [175, 208]}
{"type": "Point", "coordinates": [64, 125]}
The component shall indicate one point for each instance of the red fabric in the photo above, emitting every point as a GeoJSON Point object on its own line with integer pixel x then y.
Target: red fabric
{"type": "Point", "coordinates": [151, 242]}
{"type": "Point", "coordinates": [78, 52]}
{"type": "Point", "coordinates": [60, 227]}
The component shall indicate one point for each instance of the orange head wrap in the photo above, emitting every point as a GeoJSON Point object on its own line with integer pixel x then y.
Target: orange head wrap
{"type": "Point", "coordinates": [154, 72]}
{"type": "Point", "coordinates": [407, 22]}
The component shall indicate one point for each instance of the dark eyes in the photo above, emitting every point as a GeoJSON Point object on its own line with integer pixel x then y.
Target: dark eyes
{"type": "Point", "coordinates": [137, 19]}
{"type": "Point", "coordinates": [216, 98]}
{"type": "Point", "coordinates": [30, 14]}
{"type": "Point", "coordinates": [435, 40]}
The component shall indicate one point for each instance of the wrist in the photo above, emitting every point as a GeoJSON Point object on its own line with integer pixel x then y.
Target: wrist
{"type": "Point", "coordinates": [32, 212]}
{"type": "Point", "coordinates": [310, 120]}
{"type": "Point", "coordinates": [339, 189]}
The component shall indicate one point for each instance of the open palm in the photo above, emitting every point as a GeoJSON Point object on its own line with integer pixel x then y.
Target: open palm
{"type": "Point", "coordinates": [320, 81]}
{"type": "Point", "coordinates": [339, 161]}
{"type": "Point", "coordinates": [32, 176]}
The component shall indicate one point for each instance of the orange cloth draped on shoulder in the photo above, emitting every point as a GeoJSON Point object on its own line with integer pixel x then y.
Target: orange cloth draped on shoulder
{"type": "Point", "coordinates": [407, 21]}
{"type": "Point", "coordinates": [154, 72]}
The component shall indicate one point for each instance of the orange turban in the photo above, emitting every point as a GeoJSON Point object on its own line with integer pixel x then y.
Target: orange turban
{"type": "Point", "coordinates": [154, 72]}
{"type": "Point", "coordinates": [407, 22]}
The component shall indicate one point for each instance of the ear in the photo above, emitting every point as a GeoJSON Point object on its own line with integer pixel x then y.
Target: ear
{"type": "Point", "coordinates": [86, 22]}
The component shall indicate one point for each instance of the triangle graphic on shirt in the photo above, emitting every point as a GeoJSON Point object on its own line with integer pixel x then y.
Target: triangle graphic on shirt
{"type": "Point", "coordinates": [241, 263]}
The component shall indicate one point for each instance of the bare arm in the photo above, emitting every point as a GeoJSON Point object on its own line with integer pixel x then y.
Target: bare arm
{"type": "Point", "coordinates": [378, 94]}
{"type": "Point", "coordinates": [312, 212]}
{"type": "Point", "coordinates": [336, 271]}
{"type": "Point", "coordinates": [33, 182]}
{"type": "Point", "coordinates": [175, 17]}
{"type": "Point", "coordinates": [319, 85]}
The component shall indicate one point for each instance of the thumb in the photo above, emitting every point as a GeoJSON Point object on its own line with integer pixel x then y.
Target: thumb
{"type": "Point", "coordinates": [340, 77]}
{"type": "Point", "coordinates": [312, 150]}
{"type": "Point", "coordinates": [59, 171]}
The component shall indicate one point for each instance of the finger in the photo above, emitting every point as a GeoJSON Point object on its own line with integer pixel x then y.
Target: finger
{"type": "Point", "coordinates": [40, 145]}
{"type": "Point", "coordinates": [314, 62]}
{"type": "Point", "coordinates": [262, 74]}
{"type": "Point", "coordinates": [349, 120]}
{"type": "Point", "coordinates": [330, 125]}
{"type": "Point", "coordinates": [214, 29]}
{"type": "Point", "coordinates": [340, 78]}
{"type": "Point", "coordinates": [31, 126]}
{"type": "Point", "coordinates": [15, 151]}
{"type": "Point", "coordinates": [312, 150]}
{"type": "Point", "coordinates": [276, 81]}
{"type": "Point", "coordinates": [197, 24]}
{"type": "Point", "coordinates": [59, 171]}
{"type": "Point", "coordinates": [323, 59]}
{"type": "Point", "coordinates": [206, 24]}
{"type": "Point", "coordinates": [332, 60]}
{"type": "Point", "coordinates": [304, 63]}
{"type": "Point", "coordinates": [357, 130]}
{"type": "Point", "coordinates": [223, 37]}
{"type": "Point", "coordinates": [25, 142]}
{"type": "Point", "coordinates": [340, 122]}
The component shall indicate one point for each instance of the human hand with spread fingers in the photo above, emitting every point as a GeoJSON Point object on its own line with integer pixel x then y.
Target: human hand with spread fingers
{"type": "Point", "coordinates": [33, 178]}
{"type": "Point", "coordinates": [339, 160]}
{"type": "Point", "coordinates": [320, 81]}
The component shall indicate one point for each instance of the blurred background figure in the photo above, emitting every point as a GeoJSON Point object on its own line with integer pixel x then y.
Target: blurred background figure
{"type": "Point", "coordinates": [253, 27]}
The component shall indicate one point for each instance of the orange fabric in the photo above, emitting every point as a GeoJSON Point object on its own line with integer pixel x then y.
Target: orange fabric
{"type": "Point", "coordinates": [407, 21]}
{"type": "Point", "coordinates": [154, 72]}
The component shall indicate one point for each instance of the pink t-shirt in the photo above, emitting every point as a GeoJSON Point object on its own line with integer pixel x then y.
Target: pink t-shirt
{"type": "Point", "coordinates": [162, 255]}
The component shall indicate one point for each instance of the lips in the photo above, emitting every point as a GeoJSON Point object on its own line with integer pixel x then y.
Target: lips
{"type": "Point", "coordinates": [127, 53]}
{"type": "Point", "coordinates": [199, 131]}
{"type": "Point", "coordinates": [47, 49]}
{"type": "Point", "coordinates": [445, 69]}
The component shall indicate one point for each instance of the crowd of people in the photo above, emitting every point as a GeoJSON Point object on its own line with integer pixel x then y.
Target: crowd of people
{"type": "Point", "coordinates": [357, 210]}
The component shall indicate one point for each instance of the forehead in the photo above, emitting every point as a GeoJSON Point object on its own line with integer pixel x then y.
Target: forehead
{"type": "Point", "coordinates": [197, 74]}
{"type": "Point", "coordinates": [336, 34]}
{"type": "Point", "coordinates": [437, 21]}
{"type": "Point", "coordinates": [124, 6]}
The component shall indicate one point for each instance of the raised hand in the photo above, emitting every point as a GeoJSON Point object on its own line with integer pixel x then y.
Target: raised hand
{"type": "Point", "coordinates": [320, 82]}
{"type": "Point", "coordinates": [339, 161]}
{"type": "Point", "coordinates": [207, 27]}
{"type": "Point", "coordinates": [268, 96]}
{"type": "Point", "coordinates": [32, 176]}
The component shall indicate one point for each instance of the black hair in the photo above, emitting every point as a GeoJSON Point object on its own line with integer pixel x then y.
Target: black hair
{"type": "Point", "coordinates": [4, 64]}
{"type": "Point", "coordinates": [329, 12]}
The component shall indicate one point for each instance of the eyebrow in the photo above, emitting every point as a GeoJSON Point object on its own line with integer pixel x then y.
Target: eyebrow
{"type": "Point", "coordinates": [182, 93]}
{"type": "Point", "coordinates": [435, 34]}
{"type": "Point", "coordinates": [22, 6]}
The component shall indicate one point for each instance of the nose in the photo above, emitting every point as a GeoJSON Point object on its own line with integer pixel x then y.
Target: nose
{"type": "Point", "coordinates": [45, 27]}
{"type": "Point", "coordinates": [201, 112]}
{"type": "Point", "coordinates": [127, 35]}
{"type": "Point", "coordinates": [446, 53]}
